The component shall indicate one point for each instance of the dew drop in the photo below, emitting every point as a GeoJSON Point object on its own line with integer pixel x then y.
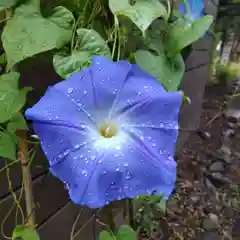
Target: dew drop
{"type": "Point", "coordinates": [77, 146]}
{"type": "Point", "coordinates": [154, 145]}
{"type": "Point", "coordinates": [84, 172]}
{"type": "Point", "coordinates": [125, 164]}
{"type": "Point", "coordinates": [128, 176]}
{"type": "Point", "coordinates": [117, 169]}
{"type": "Point", "coordinates": [70, 90]}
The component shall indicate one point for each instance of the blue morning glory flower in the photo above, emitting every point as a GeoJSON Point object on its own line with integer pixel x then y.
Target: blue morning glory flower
{"type": "Point", "coordinates": [109, 133]}
{"type": "Point", "coordinates": [196, 8]}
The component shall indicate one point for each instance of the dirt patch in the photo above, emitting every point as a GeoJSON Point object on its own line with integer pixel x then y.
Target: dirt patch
{"type": "Point", "coordinates": [206, 204]}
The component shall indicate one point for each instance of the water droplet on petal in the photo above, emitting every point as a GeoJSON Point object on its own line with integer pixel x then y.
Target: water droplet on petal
{"type": "Point", "coordinates": [70, 90]}
{"type": "Point", "coordinates": [83, 125]}
{"type": "Point", "coordinates": [84, 172]}
{"type": "Point", "coordinates": [154, 145]}
{"type": "Point", "coordinates": [117, 169]}
{"type": "Point", "coordinates": [128, 176]}
{"type": "Point", "coordinates": [125, 164]}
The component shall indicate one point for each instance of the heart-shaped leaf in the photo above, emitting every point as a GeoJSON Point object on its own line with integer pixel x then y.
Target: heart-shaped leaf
{"type": "Point", "coordinates": [8, 145]}
{"type": "Point", "coordinates": [104, 235]}
{"type": "Point", "coordinates": [25, 233]}
{"type": "Point", "coordinates": [182, 33]}
{"type": "Point", "coordinates": [126, 233]}
{"type": "Point", "coordinates": [89, 43]}
{"type": "Point", "coordinates": [29, 33]}
{"type": "Point", "coordinates": [7, 3]}
{"type": "Point", "coordinates": [11, 98]}
{"type": "Point", "coordinates": [168, 71]}
{"type": "Point", "coordinates": [142, 12]}
{"type": "Point", "coordinates": [17, 122]}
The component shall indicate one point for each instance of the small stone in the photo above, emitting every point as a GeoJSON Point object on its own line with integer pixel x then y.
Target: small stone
{"type": "Point", "coordinates": [195, 198]}
{"type": "Point", "coordinates": [229, 133]}
{"type": "Point", "coordinates": [232, 119]}
{"type": "Point", "coordinates": [209, 236]}
{"type": "Point", "coordinates": [204, 135]}
{"type": "Point", "coordinates": [217, 167]}
{"type": "Point", "coordinates": [231, 125]}
{"type": "Point", "coordinates": [211, 223]}
{"type": "Point", "coordinates": [227, 159]}
{"type": "Point", "coordinates": [226, 150]}
{"type": "Point", "coordinates": [237, 155]}
{"type": "Point", "coordinates": [219, 177]}
{"type": "Point", "coordinates": [210, 186]}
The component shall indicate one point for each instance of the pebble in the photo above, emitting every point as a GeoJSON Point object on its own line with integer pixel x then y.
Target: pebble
{"type": "Point", "coordinates": [225, 150]}
{"type": "Point", "coordinates": [210, 186]}
{"type": "Point", "coordinates": [231, 125]}
{"type": "Point", "coordinates": [195, 199]}
{"type": "Point", "coordinates": [219, 177]}
{"type": "Point", "coordinates": [229, 133]}
{"type": "Point", "coordinates": [211, 223]}
{"type": "Point", "coordinates": [232, 119]}
{"type": "Point", "coordinates": [216, 167]}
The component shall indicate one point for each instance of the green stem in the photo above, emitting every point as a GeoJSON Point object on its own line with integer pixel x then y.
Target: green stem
{"type": "Point", "coordinates": [23, 156]}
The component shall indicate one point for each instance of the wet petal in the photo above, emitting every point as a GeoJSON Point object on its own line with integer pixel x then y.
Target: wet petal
{"type": "Point", "coordinates": [196, 9]}
{"type": "Point", "coordinates": [57, 144]}
{"type": "Point", "coordinates": [95, 178]}
{"type": "Point", "coordinates": [56, 106]}
{"type": "Point", "coordinates": [108, 80]}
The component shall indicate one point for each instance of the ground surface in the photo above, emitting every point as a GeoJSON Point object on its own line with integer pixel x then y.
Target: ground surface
{"type": "Point", "coordinates": [206, 205]}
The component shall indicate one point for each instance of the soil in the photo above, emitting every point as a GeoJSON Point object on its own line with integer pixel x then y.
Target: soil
{"type": "Point", "coordinates": [202, 207]}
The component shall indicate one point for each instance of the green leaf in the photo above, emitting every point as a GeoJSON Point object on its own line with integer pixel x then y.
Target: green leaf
{"type": "Point", "coordinates": [17, 122]}
{"type": "Point", "coordinates": [7, 3]}
{"type": "Point", "coordinates": [3, 58]}
{"type": "Point", "coordinates": [29, 33]}
{"type": "Point", "coordinates": [162, 205]}
{"type": "Point", "coordinates": [182, 33]}
{"type": "Point", "coordinates": [126, 233]}
{"type": "Point", "coordinates": [7, 146]}
{"type": "Point", "coordinates": [89, 43]}
{"type": "Point", "coordinates": [104, 235]}
{"type": "Point", "coordinates": [11, 98]}
{"type": "Point", "coordinates": [142, 13]}
{"type": "Point", "coordinates": [25, 233]}
{"type": "Point", "coordinates": [168, 71]}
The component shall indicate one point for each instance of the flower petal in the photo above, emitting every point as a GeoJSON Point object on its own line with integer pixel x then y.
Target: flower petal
{"type": "Point", "coordinates": [196, 9]}
{"type": "Point", "coordinates": [127, 172]}
{"type": "Point", "coordinates": [57, 144]}
{"type": "Point", "coordinates": [108, 80]}
{"type": "Point", "coordinates": [57, 105]}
